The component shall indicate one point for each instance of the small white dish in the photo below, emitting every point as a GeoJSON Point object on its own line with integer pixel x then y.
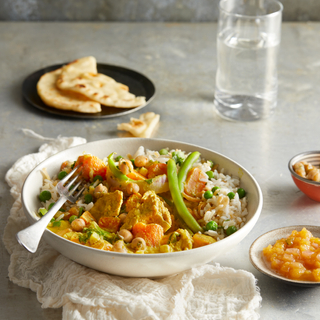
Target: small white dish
{"type": "Point", "coordinates": [256, 258]}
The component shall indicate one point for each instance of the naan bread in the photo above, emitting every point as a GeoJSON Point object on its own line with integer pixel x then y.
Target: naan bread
{"type": "Point", "coordinates": [82, 65]}
{"type": "Point", "coordinates": [78, 87]}
{"type": "Point", "coordinates": [97, 87]}
{"type": "Point", "coordinates": [64, 100]}
{"type": "Point", "coordinates": [142, 127]}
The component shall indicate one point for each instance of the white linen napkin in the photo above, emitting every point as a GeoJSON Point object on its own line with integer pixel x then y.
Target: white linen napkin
{"type": "Point", "coordinates": [207, 292]}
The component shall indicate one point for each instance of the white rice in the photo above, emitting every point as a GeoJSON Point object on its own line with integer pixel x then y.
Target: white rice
{"type": "Point", "coordinates": [221, 209]}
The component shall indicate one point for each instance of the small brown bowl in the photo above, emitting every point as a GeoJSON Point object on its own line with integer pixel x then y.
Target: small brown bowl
{"type": "Point", "coordinates": [308, 187]}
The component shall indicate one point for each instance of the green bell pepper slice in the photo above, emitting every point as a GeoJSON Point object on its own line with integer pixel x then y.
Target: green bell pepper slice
{"type": "Point", "coordinates": [177, 198]}
{"type": "Point", "coordinates": [186, 166]}
{"type": "Point", "coordinates": [115, 171]}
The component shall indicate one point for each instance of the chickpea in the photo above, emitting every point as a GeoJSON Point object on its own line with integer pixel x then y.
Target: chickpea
{"type": "Point", "coordinates": [78, 224]}
{"type": "Point", "coordinates": [126, 235]}
{"type": "Point", "coordinates": [119, 246]}
{"type": "Point", "coordinates": [125, 166]}
{"type": "Point", "coordinates": [132, 188]}
{"type": "Point", "coordinates": [314, 175]}
{"type": "Point", "coordinates": [300, 169]}
{"type": "Point", "coordinates": [138, 244]}
{"type": "Point", "coordinates": [308, 166]}
{"type": "Point", "coordinates": [122, 217]}
{"type": "Point", "coordinates": [100, 191]}
{"type": "Point", "coordinates": [140, 161]}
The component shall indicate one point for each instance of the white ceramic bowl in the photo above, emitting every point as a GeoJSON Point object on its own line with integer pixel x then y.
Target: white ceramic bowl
{"type": "Point", "coordinates": [136, 265]}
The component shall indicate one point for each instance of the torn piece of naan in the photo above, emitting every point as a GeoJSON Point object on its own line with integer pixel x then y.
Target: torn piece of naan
{"type": "Point", "coordinates": [61, 99]}
{"type": "Point", "coordinates": [142, 127]}
{"type": "Point", "coordinates": [82, 65]}
{"type": "Point", "coordinates": [97, 87]}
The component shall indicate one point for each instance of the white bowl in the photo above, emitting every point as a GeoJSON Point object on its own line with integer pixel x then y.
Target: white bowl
{"type": "Point", "coordinates": [137, 265]}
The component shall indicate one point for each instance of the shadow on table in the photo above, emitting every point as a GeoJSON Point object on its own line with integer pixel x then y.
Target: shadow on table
{"type": "Point", "coordinates": [302, 202]}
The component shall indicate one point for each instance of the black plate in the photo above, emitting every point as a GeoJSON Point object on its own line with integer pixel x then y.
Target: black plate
{"type": "Point", "coordinates": [138, 84]}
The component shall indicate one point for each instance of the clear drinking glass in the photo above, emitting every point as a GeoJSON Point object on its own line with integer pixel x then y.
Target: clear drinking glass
{"type": "Point", "coordinates": [248, 40]}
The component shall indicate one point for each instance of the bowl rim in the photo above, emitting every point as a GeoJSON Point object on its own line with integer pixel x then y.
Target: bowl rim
{"type": "Point", "coordinates": [226, 240]}
{"type": "Point", "coordinates": [270, 272]}
{"type": "Point", "coordinates": [297, 158]}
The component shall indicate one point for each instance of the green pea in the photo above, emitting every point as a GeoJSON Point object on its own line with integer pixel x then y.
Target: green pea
{"type": "Point", "coordinates": [42, 211]}
{"type": "Point", "coordinates": [210, 174]}
{"type": "Point", "coordinates": [56, 223]}
{"type": "Point", "coordinates": [208, 194]}
{"type": "Point", "coordinates": [72, 218]}
{"type": "Point", "coordinates": [61, 175]}
{"type": "Point", "coordinates": [118, 158]}
{"type": "Point", "coordinates": [97, 177]}
{"type": "Point", "coordinates": [212, 225]}
{"type": "Point", "coordinates": [88, 198]}
{"type": "Point", "coordinates": [51, 205]}
{"type": "Point", "coordinates": [231, 195]}
{"type": "Point", "coordinates": [211, 163]}
{"type": "Point", "coordinates": [231, 230]}
{"type": "Point", "coordinates": [163, 152]}
{"type": "Point", "coordinates": [241, 192]}
{"type": "Point", "coordinates": [214, 189]}
{"type": "Point", "coordinates": [44, 196]}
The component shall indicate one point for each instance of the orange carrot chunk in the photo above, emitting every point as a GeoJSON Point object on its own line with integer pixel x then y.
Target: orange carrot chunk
{"type": "Point", "coordinates": [134, 175]}
{"type": "Point", "coordinates": [91, 166]}
{"type": "Point", "coordinates": [151, 233]}
{"type": "Point", "coordinates": [111, 224]}
{"type": "Point", "coordinates": [157, 169]}
{"type": "Point", "coordinates": [87, 217]}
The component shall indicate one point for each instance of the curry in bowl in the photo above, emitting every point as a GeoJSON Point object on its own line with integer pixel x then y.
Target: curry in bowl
{"type": "Point", "coordinates": [159, 201]}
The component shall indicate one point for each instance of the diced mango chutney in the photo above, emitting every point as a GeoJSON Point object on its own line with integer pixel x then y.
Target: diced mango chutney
{"type": "Point", "coordinates": [297, 257]}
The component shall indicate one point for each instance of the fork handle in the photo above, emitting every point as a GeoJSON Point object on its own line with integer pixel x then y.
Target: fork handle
{"type": "Point", "coordinates": [31, 236]}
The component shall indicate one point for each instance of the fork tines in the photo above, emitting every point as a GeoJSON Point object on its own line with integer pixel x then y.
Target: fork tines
{"type": "Point", "coordinates": [68, 189]}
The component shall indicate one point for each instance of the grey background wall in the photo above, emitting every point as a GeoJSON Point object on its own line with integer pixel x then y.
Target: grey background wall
{"type": "Point", "coordinates": [137, 10]}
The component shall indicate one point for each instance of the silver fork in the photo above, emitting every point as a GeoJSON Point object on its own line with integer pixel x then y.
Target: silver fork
{"type": "Point", "coordinates": [31, 236]}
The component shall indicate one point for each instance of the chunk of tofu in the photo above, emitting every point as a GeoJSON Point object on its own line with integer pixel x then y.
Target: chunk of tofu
{"type": "Point", "coordinates": [133, 201]}
{"type": "Point", "coordinates": [108, 206]}
{"type": "Point", "coordinates": [150, 210]}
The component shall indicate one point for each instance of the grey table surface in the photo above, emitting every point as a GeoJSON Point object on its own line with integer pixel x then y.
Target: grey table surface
{"type": "Point", "coordinates": [181, 60]}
